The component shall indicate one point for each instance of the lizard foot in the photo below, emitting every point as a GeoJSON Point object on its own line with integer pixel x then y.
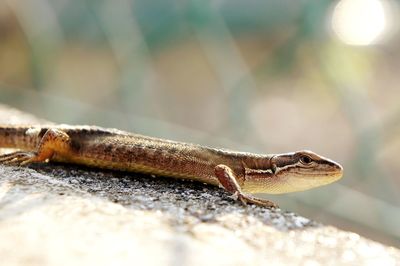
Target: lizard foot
{"type": "Point", "coordinates": [17, 158]}
{"type": "Point", "coordinates": [244, 198]}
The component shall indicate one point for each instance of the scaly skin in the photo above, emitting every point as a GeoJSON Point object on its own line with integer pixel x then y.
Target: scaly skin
{"type": "Point", "coordinates": [238, 172]}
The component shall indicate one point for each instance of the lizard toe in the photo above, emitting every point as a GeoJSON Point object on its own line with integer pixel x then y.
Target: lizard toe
{"type": "Point", "coordinates": [16, 158]}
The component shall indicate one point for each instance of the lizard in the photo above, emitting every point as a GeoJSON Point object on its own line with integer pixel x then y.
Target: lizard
{"type": "Point", "coordinates": [240, 173]}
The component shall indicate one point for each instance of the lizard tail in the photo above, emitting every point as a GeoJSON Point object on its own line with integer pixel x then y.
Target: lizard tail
{"type": "Point", "coordinates": [24, 137]}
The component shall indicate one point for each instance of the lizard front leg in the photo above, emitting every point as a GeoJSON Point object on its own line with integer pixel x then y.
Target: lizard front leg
{"type": "Point", "coordinates": [228, 180]}
{"type": "Point", "coordinates": [53, 141]}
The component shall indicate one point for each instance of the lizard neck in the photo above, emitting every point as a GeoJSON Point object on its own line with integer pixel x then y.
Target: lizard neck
{"type": "Point", "coordinates": [257, 161]}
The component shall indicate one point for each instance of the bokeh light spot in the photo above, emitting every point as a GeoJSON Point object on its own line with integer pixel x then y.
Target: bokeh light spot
{"type": "Point", "coordinates": [359, 22]}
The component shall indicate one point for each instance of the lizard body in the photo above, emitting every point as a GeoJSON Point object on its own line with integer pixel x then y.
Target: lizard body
{"type": "Point", "coordinates": [239, 173]}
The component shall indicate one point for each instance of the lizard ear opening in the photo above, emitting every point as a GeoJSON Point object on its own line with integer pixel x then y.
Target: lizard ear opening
{"type": "Point", "coordinates": [273, 168]}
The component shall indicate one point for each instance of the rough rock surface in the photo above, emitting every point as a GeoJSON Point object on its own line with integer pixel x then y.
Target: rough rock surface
{"type": "Point", "coordinates": [52, 214]}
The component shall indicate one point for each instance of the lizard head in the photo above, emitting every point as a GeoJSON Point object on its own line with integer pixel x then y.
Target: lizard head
{"type": "Point", "coordinates": [303, 170]}
{"type": "Point", "coordinates": [290, 172]}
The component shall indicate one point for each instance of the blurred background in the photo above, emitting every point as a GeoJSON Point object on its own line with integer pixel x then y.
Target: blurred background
{"type": "Point", "coordinates": [258, 76]}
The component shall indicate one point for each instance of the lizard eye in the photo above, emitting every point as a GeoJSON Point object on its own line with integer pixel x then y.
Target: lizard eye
{"type": "Point", "coordinates": [305, 159]}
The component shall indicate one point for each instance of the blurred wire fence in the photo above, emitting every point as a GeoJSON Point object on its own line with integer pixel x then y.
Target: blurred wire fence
{"type": "Point", "coordinates": [263, 76]}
